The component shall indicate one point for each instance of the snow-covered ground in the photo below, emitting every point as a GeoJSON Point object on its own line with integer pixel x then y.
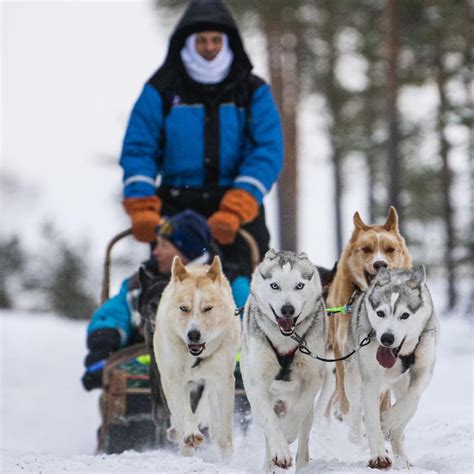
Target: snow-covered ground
{"type": "Point", "coordinates": [48, 422]}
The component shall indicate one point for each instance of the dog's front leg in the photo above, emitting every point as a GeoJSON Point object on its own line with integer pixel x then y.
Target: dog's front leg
{"type": "Point", "coordinates": [186, 426]}
{"type": "Point", "coordinates": [302, 455]}
{"type": "Point", "coordinates": [395, 420]}
{"type": "Point", "coordinates": [352, 387]}
{"type": "Point", "coordinates": [258, 393]}
{"type": "Point", "coordinates": [371, 404]}
{"type": "Point", "coordinates": [221, 396]}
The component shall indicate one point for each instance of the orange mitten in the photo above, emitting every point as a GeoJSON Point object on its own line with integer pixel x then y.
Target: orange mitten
{"type": "Point", "coordinates": [145, 215]}
{"type": "Point", "coordinates": [237, 207]}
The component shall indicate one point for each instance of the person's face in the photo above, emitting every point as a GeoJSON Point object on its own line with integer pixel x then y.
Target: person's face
{"type": "Point", "coordinates": [164, 252]}
{"type": "Point", "coordinates": [208, 44]}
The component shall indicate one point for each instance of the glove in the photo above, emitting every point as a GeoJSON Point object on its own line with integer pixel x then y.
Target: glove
{"type": "Point", "coordinates": [145, 215]}
{"type": "Point", "coordinates": [237, 207]}
{"type": "Point", "coordinates": [101, 344]}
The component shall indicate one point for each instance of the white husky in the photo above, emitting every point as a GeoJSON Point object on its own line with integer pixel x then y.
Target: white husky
{"type": "Point", "coordinates": [280, 382]}
{"type": "Point", "coordinates": [196, 338]}
{"type": "Point", "coordinates": [396, 313]}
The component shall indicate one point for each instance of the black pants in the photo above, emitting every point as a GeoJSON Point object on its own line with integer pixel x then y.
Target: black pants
{"type": "Point", "coordinates": [236, 256]}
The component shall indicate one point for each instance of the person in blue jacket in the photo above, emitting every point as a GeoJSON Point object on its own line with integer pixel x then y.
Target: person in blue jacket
{"type": "Point", "coordinates": [204, 134]}
{"type": "Point", "coordinates": [117, 323]}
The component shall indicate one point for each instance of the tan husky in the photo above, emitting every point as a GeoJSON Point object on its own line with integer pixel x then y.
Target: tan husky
{"type": "Point", "coordinates": [370, 248]}
{"type": "Point", "coordinates": [196, 338]}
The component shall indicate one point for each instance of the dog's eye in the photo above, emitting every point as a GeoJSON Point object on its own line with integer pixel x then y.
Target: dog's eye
{"type": "Point", "coordinates": [366, 249]}
{"type": "Point", "coordinates": [380, 314]}
{"type": "Point", "coordinates": [207, 309]}
{"type": "Point", "coordinates": [389, 250]}
{"type": "Point", "coordinates": [299, 286]}
{"type": "Point", "coordinates": [153, 307]}
{"type": "Point", "coordinates": [184, 309]}
{"type": "Point", "coordinates": [274, 286]}
{"type": "Point", "coordinates": [405, 316]}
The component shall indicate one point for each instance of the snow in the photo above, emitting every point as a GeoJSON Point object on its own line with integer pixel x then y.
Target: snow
{"type": "Point", "coordinates": [49, 422]}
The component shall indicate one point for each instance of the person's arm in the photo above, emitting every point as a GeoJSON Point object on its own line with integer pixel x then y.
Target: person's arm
{"type": "Point", "coordinates": [263, 155]}
{"type": "Point", "coordinates": [141, 145]}
{"type": "Point", "coordinates": [109, 329]}
{"type": "Point", "coordinates": [139, 160]}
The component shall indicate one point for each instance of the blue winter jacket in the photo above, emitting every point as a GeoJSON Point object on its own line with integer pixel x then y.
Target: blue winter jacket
{"type": "Point", "coordinates": [252, 162]}
{"type": "Point", "coordinates": [193, 135]}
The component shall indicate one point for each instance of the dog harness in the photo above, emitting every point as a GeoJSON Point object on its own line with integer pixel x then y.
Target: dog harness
{"type": "Point", "coordinates": [285, 361]}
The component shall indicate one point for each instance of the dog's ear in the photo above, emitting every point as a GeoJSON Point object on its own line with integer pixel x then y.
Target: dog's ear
{"type": "Point", "coordinates": [178, 270]}
{"type": "Point", "coordinates": [358, 222]}
{"type": "Point", "coordinates": [303, 256]}
{"type": "Point", "coordinates": [383, 277]}
{"type": "Point", "coordinates": [270, 255]}
{"type": "Point", "coordinates": [392, 220]}
{"type": "Point", "coordinates": [417, 278]}
{"type": "Point", "coordinates": [215, 270]}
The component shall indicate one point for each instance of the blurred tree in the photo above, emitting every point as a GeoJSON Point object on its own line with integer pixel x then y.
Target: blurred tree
{"type": "Point", "coordinates": [13, 259]}
{"type": "Point", "coordinates": [392, 86]}
{"type": "Point", "coordinates": [63, 276]}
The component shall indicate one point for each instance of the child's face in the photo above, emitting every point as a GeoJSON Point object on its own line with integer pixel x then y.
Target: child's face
{"type": "Point", "coordinates": [164, 252]}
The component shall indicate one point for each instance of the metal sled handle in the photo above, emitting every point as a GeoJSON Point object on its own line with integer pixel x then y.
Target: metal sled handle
{"type": "Point", "coordinates": [104, 296]}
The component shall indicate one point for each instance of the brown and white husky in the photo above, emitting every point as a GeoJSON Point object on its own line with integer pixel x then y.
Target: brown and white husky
{"type": "Point", "coordinates": [196, 339]}
{"type": "Point", "coordinates": [370, 248]}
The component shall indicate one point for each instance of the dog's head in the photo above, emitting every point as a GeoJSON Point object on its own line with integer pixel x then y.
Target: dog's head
{"type": "Point", "coordinates": [151, 288]}
{"type": "Point", "coordinates": [373, 247]}
{"type": "Point", "coordinates": [200, 303]}
{"type": "Point", "coordinates": [287, 287]}
{"type": "Point", "coordinates": [398, 309]}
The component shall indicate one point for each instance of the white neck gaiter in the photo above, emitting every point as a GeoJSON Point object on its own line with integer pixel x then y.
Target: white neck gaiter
{"type": "Point", "coordinates": [202, 70]}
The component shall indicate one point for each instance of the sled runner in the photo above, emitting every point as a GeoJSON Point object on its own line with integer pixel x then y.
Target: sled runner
{"type": "Point", "coordinates": [125, 402]}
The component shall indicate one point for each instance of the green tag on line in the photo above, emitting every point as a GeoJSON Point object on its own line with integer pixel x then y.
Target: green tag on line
{"type": "Point", "coordinates": [339, 309]}
{"type": "Point", "coordinates": [144, 359]}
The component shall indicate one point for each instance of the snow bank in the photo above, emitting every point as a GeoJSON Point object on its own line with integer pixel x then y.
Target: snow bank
{"type": "Point", "coordinates": [48, 422]}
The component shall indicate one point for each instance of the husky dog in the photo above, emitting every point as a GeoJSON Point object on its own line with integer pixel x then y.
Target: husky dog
{"type": "Point", "coordinates": [280, 382]}
{"type": "Point", "coordinates": [371, 247]}
{"type": "Point", "coordinates": [196, 338]}
{"type": "Point", "coordinates": [397, 314]}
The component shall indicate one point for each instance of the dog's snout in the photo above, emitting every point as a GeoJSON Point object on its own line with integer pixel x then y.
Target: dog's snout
{"type": "Point", "coordinates": [380, 264]}
{"type": "Point", "coordinates": [194, 335]}
{"type": "Point", "coordinates": [287, 310]}
{"type": "Point", "coordinates": [387, 339]}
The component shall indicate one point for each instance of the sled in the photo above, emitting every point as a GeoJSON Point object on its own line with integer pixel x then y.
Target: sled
{"type": "Point", "coordinates": [125, 402]}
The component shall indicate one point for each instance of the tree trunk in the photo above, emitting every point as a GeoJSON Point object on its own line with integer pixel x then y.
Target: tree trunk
{"type": "Point", "coordinates": [282, 62]}
{"type": "Point", "coordinates": [394, 157]}
{"type": "Point", "coordinates": [446, 176]}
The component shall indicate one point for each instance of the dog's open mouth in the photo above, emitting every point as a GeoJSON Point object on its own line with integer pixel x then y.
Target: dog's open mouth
{"type": "Point", "coordinates": [286, 325]}
{"type": "Point", "coordinates": [387, 356]}
{"type": "Point", "coordinates": [196, 349]}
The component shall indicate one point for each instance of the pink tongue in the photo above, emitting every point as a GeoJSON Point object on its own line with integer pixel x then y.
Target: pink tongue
{"type": "Point", "coordinates": [286, 324]}
{"type": "Point", "coordinates": [386, 357]}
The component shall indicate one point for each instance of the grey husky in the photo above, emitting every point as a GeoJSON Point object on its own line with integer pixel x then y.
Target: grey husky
{"type": "Point", "coordinates": [281, 383]}
{"type": "Point", "coordinates": [397, 314]}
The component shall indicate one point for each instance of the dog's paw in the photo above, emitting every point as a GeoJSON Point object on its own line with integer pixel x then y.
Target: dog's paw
{"type": "Point", "coordinates": [380, 462]}
{"type": "Point", "coordinates": [171, 434]}
{"type": "Point", "coordinates": [193, 440]}
{"type": "Point", "coordinates": [401, 462]}
{"type": "Point", "coordinates": [282, 458]}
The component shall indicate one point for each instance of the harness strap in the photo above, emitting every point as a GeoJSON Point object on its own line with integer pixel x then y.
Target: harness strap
{"type": "Point", "coordinates": [285, 361]}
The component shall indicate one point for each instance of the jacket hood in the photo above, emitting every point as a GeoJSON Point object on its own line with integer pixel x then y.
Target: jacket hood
{"type": "Point", "coordinates": [207, 15]}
